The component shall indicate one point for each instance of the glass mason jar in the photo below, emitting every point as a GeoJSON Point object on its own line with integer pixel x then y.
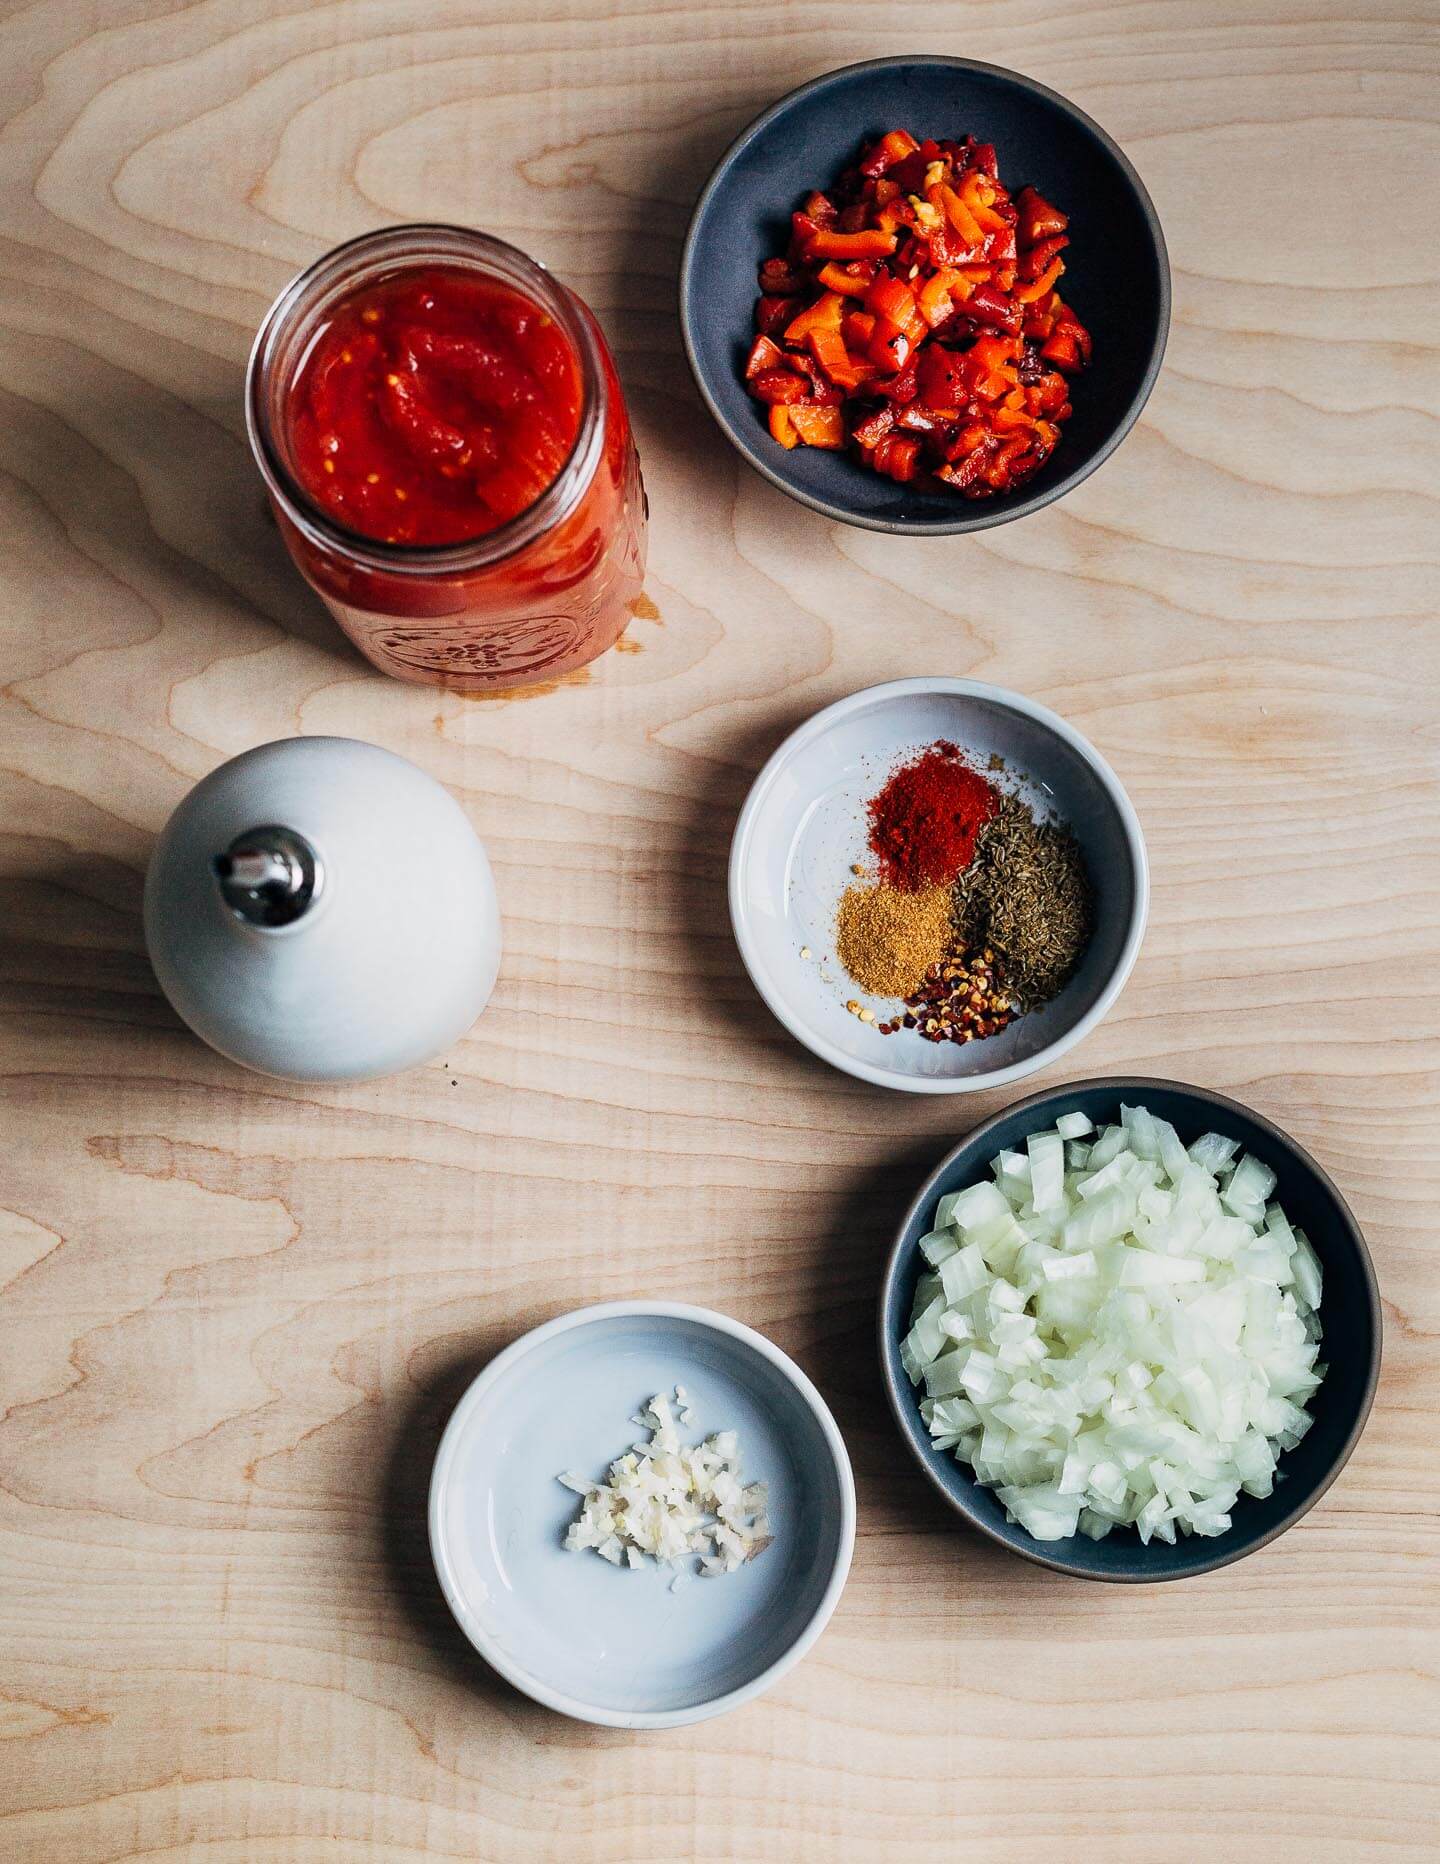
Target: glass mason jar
{"type": "Point", "coordinates": [547, 591]}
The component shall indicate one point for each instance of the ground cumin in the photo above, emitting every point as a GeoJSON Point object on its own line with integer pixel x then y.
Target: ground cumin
{"type": "Point", "coordinates": [887, 939]}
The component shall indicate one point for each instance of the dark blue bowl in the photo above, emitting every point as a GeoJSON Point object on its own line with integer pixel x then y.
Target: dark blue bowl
{"type": "Point", "coordinates": [1117, 274]}
{"type": "Point", "coordinates": [1349, 1312]}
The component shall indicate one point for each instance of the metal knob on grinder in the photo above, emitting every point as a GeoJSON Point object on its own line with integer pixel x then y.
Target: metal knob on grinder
{"type": "Point", "coordinates": [269, 876]}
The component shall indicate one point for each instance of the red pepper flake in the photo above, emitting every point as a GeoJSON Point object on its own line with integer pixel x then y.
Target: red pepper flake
{"type": "Point", "coordinates": [924, 822]}
{"type": "Point", "coordinates": [963, 999]}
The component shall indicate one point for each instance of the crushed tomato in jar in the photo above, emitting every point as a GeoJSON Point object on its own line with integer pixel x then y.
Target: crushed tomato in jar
{"type": "Point", "coordinates": [433, 407]}
{"type": "Point", "coordinates": [443, 436]}
{"type": "Point", "coordinates": [915, 319]}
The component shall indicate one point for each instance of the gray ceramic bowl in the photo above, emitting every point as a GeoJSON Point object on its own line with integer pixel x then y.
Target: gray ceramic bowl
{"type": "Point", "coordinates": [606, 1644]}
{"type": "Point", "coordinates": [1349, 1312]}
{"type": "Point", "coordinates": [803, 824]}
{"type": "Point", "coordinates": [1117, 273]}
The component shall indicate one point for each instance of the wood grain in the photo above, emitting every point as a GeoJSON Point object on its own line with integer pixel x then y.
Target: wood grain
{"type": "Point", "coordinates": [235, 1314]}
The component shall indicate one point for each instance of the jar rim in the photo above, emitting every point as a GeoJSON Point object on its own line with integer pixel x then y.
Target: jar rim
{"type": "Point", "coordinates": [395, 249]}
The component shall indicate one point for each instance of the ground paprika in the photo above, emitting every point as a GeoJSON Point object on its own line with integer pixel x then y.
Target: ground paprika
{"type": "Point", "coordinates": [924, 822]}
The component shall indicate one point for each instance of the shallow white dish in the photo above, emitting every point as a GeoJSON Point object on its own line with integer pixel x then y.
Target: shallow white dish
{"type": "Point", "coordinates": [803, 825]}
{"type": "Point", "coordinates": [607, 1644]}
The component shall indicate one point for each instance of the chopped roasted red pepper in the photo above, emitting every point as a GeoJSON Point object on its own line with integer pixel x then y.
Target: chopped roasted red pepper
{"type": "Point", "coordinates": [898, 458]}
{"type": "Point", "coordinates": [896, 213]}
{"type": "Point", "coordinates": [890, 299]}
{"type": "Point", "coordinates": [940, 294]}
{"type": "Point", "coordinates": [901, 389]}
{"type": "Point", "coordinates": [965, 473]}
{"type": "Point", "coordinates": [960, 216]}
{"type": "Point", "coordinates": [942, 379]}
{"type": "Point", "coordinates": [915, 317]}
{"type": "Point", "coordinates": [780, 278]}
{"type": "Point", "coordinates": [909, 174]}
{"type": "Point", "coordinates": [764, 354]}
{"type": "Point", "coordinates": [772, 314]}
{"type": "Point", "coordinates": [979, 194]}
{"type": "Point", "coordinates": [1037, 218]}
{"type": "Point", "coordinates": [782, 428]}
{"type": "Point", "coordinates": [872, 429]}
{"type": "Point", "coordinates": [824, 314]}
{"type": "Point", "coordinates": [857, 328]}
{"type": "Point", "coordinates": [802, 230]}
{"type": "Point", "coordinates": [822, 390]}
{"type": "Point", "coordinates": [1049, 395]}
{"type": "Point", "coordinates": [777, 386]}
{"type": "Point", "coordinates": [1042, 286]}
{"type": "Point", "coordinates": [870, 243]}
{"type": "Point", "coordinates": [1036, 258]}
{"type": "Point", "coordinates": [1069, 344]}
{"type": "Point", "coordinates": [819, 427]}
{"type": "Point", "coordinates": [889, 347]}
{"type": "Point", "coordinates": [828, 349]}
{"type": "Point", "coordinates": [988, 305]}
{"type": "Point", "coordinates": [843, 279]}
{"type": "Point", "coordinates": [893, 147]}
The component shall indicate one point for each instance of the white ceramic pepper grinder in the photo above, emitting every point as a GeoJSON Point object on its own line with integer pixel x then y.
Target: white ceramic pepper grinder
{"type": "Point", "coordinates": [322, 910]}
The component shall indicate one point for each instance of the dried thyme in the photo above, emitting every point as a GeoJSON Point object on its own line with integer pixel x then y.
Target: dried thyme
{"type": "Point", "coordinates": [1026, 896]}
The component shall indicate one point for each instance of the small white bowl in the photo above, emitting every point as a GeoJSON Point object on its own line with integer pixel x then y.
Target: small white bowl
{"type": "Point", "coordinates": [803, 825]}
{"type": "Point", "coordinates": [603, 1643]}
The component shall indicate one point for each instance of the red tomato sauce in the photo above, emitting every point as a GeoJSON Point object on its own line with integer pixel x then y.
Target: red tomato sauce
{"type": "Point", "coordinates": [432, 407]}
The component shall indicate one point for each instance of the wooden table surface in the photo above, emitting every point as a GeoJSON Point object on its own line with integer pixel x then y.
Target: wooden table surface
{"type": "Point", "coordinates": [235, 1314]}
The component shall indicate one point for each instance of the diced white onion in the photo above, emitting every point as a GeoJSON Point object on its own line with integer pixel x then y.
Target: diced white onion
{"type": "Point", "coordinates": [1047, 1170]}
{"type": "Point", "coordinates": [937, 1245]}
{"type": "Point", "coordinates": [1108, 1146]}
{"type": "Point", "coordinates": [1212, 1152]}
{"type": "Point", "coordinates": [1121, 1333]}
{"type": "Point", "coordinates": [1010, 1165]}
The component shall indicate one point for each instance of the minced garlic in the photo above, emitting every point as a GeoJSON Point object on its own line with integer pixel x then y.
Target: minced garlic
{"type": "Point", "coordinates": [670, 1500]}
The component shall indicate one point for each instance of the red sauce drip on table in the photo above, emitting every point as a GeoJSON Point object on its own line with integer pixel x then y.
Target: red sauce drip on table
{"type": "Point", "coordinates": [432, 407]}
